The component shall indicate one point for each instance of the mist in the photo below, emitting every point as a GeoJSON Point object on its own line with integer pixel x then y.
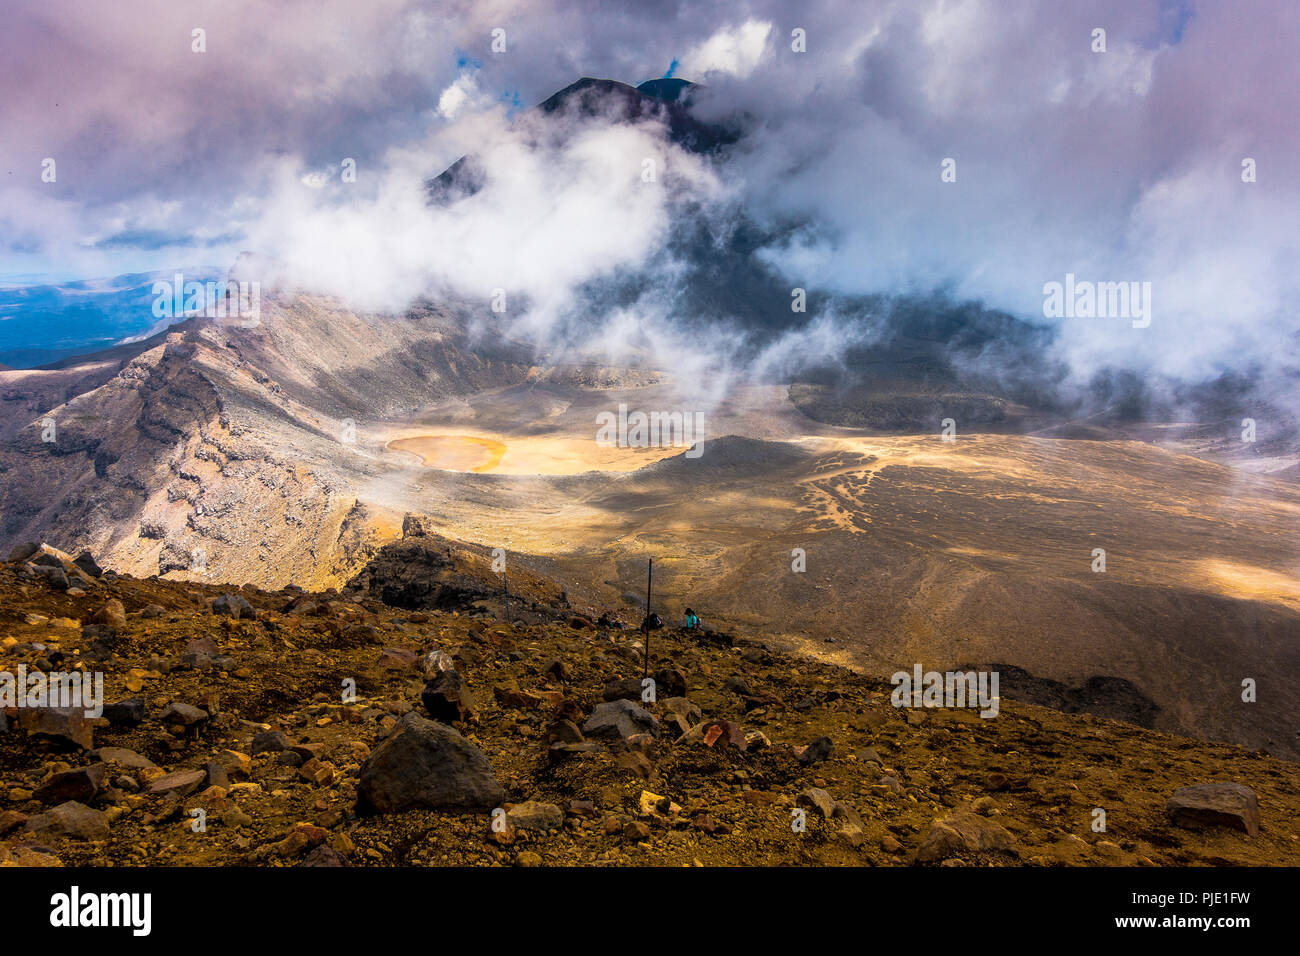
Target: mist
{"type": "Point", "coordinates": [889, 149]}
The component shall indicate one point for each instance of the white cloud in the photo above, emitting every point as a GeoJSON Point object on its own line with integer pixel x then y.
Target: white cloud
{"type": "Point", "coordinates": [735, 51]}
{"type": "Point", "coordinates": [458, 95]}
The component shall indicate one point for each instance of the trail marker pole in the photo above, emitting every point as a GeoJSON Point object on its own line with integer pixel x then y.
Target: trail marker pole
{"type": "Point", "coordinates": [505, 586]}
{"type": "Point", "coordinates": [649, 577]}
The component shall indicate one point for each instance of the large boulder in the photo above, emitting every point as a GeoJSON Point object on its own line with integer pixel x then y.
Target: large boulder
{"type": "Point", "coordinates": [963, 832]}
{"type": "Point", "coordinates": [626, 688]}
{"type": "Point", "coordinates": [420, 574]}
{"type": "Point", "coordinates": [1215, 805]}
{"type": "Point", "coordinates": [71, 819]}
{"type": "Point", "coordinates": [234, 605]}
{"type": "Point", "coordinates": [64, 725]}
{"type": "Point", "coordinates": [618, 720]}
{"type": "Point", "coordinates": [426, 765]}
{"type": "Point", "coordinates": [87, 563]}
{"type": "Point", "coordinates": [80, 784]}
{"type": "Point", "coordinates": [57, 577]}
{"type": "Point", "coordinates": [21, 552]}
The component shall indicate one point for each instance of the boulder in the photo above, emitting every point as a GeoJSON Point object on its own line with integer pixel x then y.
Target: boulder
{"type": "Point", "coordinates": [21, 552]}
{"type": "Point", "coordinates": [235, 764]}
{"type": "Point", "coordinates": [66, 725]}
{"type": "Point", "coordinates": [536, 816]}
{"type": "Point", "coordinates": [563, 731]}
{"type": "Point", "coordinates": [324, 856]}
{"type": "Point", "coordinates": [1228, 805]}
{"type": "Point", "coordinates": [214, 775]}
{"type": "Point", "coordinates": [124, 758]}
{"type": "Point", "coordinates": [125, 713]}
{"type": "Point", "coordinates": [86, 562]}
{"type": "Point", "coordinates": [670, 682]}
{"type": "Point", "coordinates": [436, 661]}
{"type": "Point", "coordinates": [815, 798]}
{"type": "Point", "coordinates": [681, 714]}
{"type": "Point", "coordinates": [816, 751]}
{"type": "Point", "coordinates": [618, 720]}
{"type": "Point", "coordinates": [80, 785]}
{"type": "Point", "coordinates": [200, 653]}
{"type": "Point", "coordinates": [624, 689]}
{"type": "Point", "coordinates": [71, 819]}
{"type": "Point", "coordinates": [557, 669]}
{"type": "Point", "coordinates": [187, 715]}
{"type": "Point", "coordinates": [57, 577]}
{"type": "Point", "coordinates": [180, 782]}
{"type": "Point", "coordinates": [112, 614]}
{"type": "Point", "coordinates": [963, 832]}
{"type": "Point", "coordinates": [427, 765]}
{"type": "Point", "coordinates": [447, 699]}
{"type": "Point", "coordinates": [269, 741]}
{"type": "Point", "coordinates": [234, 605]}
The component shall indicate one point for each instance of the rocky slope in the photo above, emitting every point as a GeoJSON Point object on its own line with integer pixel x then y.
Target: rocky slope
{"type": "Point", "coordinates": [219, 444]}
{"type": "Point", "coordinates": [228, 741]}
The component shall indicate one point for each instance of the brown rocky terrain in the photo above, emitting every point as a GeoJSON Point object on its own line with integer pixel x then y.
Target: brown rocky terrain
{"type": "Point", "coordinates": [290, 450]}
{"type": "Point", "coordinates": [230, 700]}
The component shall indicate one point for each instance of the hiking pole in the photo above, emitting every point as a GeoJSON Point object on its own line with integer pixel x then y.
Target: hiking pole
{"type": "Point", "coordinates": [505, 587]}
{"type": "Point", "coordinates": [649, 576]}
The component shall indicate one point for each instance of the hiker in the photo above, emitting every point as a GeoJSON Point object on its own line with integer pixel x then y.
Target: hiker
{"type": "Point", "coordinates": [692, 620]}
{"type": "Point", "coordinates": [652, 622]}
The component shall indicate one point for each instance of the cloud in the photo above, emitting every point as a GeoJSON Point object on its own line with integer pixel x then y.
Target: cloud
{"type": "Point", "coordinates": [1123, 165]}
{"type": "Point", "coordinates": [458, 96]}
{"type": "Point", "coordinates": [735, 51]}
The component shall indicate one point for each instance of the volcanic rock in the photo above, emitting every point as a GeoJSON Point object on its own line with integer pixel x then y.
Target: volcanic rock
{"type": "Point", "coordinates": [234, 605]}
{"type": "Point", "coordinates": [963, 832]}
{"type": "Point", "coordinates": [66, 725]}
{"type": "Point", "coordinates": [269, 741]}
{"type": "Point", "coordinates": [112, 614]}
{"type": "Point", "coordinates": [1215, 805]}
{"type": "Point", "coordinates": [618, 720]}
{"type": "Point", "coordinates": [71, 819]}
{"type": "Point", "coordinates": [427, 765]}
{"type": "Point", "coordinates": [125, 713]}
{"type": "Point", "coordinates": [535, 815]}
{"type": "Point", "coordinates": [816, 751]}
{"type": "Point", "coordinates": [446, 698]}
{"type": "Point", "coordinates": [80, 784]}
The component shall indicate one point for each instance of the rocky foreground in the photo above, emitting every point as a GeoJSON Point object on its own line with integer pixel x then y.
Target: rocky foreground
{"type": "Point", "coordinates": [286, 728]}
